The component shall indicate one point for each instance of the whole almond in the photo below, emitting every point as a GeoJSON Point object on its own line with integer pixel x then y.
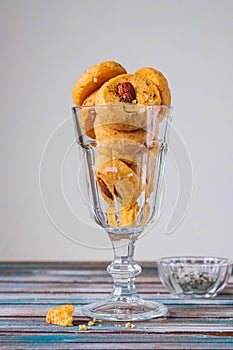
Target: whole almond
{"type": "Point", "coordinates": [126, 92]}
{"type": "Point", "coordinates": [104, 188]}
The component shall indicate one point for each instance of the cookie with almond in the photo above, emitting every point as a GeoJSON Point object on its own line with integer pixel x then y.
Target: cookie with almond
{"type": "Point", "coordinates": [130, 88]}
{"type": "Point", "coordinates": [126, 97]}
{"type": "Point", "coordinates": [117, 181]}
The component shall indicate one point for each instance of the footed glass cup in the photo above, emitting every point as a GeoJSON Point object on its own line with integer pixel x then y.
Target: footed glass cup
{"type": "Point", "coordinates": [123, 149]}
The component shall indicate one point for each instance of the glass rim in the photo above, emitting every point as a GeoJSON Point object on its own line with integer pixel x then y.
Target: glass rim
{"type": "Point", "coordinates": [191, 260]}
{"type": "Point", "coordinates": [169, 107]}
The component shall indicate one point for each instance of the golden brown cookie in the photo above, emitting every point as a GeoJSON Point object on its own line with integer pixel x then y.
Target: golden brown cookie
{"type": "Point", "coordinates": [131, 88]}
{"type": "Point", "coordinates": [112, 140]}
{"type": "Point", "coordinates": [61, 315]}
{"type": "Point", "coordinates": [93, 78]}
{"type": "Point", "coordinates": [143, 163]}
{"type": "Point", "coordinates": [117, 181]}
{"type": "Point", "coordinates": [128, 215]}
{"type": "Point", "coordinates": [126, 97]}
{"type": "Point", "coordinates": [90, 100]}
{"type": "Point", "coordinates": [161, 82]}
{"type": "Point", "coordinates": [122, 116]}
{"type": "Point", "coordinates": [125, 216]}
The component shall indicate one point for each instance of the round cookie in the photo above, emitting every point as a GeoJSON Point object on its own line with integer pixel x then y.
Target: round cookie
{"type": "Point", "coordinates": [117, 181]}
{"type": "Point", "coordinates": [161, 82]}
{"type": "Point", "coordinates": [110, 140]}
{"type": "Point", "coordinates": [90, 100]}
{"type": "Point", "coordinates": [126, 97]}
{"type": "Point", "coordinates": [122, 116]}
{"type": "Point", "coordinates": [114, 143]}
{"type": "Point", "coordinates": [129, 88]}
{"type": "Point", "coordinates": [128, 215]}
{"type": "Point", "coordinates": [125, 216]}
{"type": "Point", "coordinates": [93, 78]}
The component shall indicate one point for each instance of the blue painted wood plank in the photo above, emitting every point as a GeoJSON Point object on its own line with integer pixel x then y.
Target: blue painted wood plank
{"type": "Point", "coordinates": [28, 322]}
{"type": "Point", "coordinates": [161, 326]}
{"type": "Point", "coordinates": [129, 337]}
{"type": "Point", "coordinates": [88, 297]}
{"type": "Point", "coordinates": [117, 346]}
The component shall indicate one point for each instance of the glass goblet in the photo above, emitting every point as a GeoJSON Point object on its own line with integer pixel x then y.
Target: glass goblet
{"type": "Point", "coordinates": [123, 148]}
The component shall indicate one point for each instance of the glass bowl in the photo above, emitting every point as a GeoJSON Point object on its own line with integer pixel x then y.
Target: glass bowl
{"type": "Point", "coordinates": [194, 277]}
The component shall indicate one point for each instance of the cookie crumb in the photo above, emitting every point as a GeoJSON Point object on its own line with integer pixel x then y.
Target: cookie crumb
{"type": "Point", "coordinates": [82, 327]}
{"type": "Point", "coordinates": [130, 325]}
{"type": "Point", "coordinates": [91, 323]}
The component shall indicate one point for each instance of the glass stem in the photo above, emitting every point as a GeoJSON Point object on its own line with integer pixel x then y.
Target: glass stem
{"type": "Point", "coordinates": [124, 269]}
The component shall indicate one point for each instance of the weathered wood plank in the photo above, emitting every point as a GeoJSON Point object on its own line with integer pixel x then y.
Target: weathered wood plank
{"type": "Point", "coordinates": [176, 311]}
{"type": "Point", "coordinates": [118, 346]}
{"type": "Point", "coordinates": [112, 337]}
{"type": "Point", "coordinates": [12, 299]}
{"type": "Point", "coordinates": [167, 326]}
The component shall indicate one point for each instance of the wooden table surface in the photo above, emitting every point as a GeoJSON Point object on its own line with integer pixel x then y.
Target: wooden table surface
{"type": "Point", "coordinates": [29, 290]}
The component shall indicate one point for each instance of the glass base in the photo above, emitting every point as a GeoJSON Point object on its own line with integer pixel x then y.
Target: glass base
{"type": "Point", "coordinates": [124, 309]}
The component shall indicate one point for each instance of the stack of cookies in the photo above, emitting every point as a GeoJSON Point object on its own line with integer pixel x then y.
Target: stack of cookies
{"type": "Point", "coordinates": [125, 134]}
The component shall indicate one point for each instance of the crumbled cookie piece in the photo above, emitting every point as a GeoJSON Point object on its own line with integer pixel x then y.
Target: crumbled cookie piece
{"type": "Point", "coordinates": [82, 327]}
{"type": "Point", "coordinates": [61, 315]}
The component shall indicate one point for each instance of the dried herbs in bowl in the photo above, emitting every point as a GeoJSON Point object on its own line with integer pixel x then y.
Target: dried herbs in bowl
{"type": "Point", "coordinates": [194, 276]}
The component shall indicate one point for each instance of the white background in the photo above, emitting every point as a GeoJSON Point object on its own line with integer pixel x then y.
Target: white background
{"type": "Point", "coordinates": [45, 45]}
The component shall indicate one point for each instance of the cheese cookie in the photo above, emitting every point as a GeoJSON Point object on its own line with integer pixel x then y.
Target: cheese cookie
{"type": "Point", "coordinates": [125, 216]}
{"type": "Point", "coordinates": [161, 82]}
{"type": "Point", "coordinates": [122, 116]}
{"type": "Point", "coordinates": [126, 96]}
{"type": "Point", "coordinates": [111, 140]}
{"type": "Point", "coordinates": [129, 88]}
{"type": "Point", "coordinates": [90, 100]}
{"type": "Point", "coordinates": [116, 180]}
{"type": "Point", "coordinates": [128, 215]}
{"type": "Point", "coordinates": [93, 78]}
